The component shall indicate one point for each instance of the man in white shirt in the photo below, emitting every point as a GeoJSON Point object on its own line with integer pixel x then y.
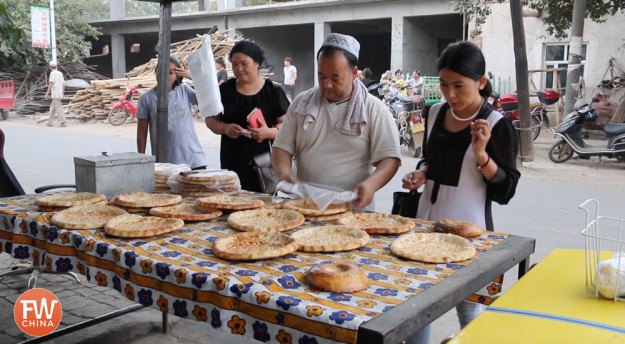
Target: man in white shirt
{"type": "Point", "coordinates": [290, 76]}
{"type": "Point", "coordinates": [56, 87]}
{"type": "Point", "coordinates": [340, 134]}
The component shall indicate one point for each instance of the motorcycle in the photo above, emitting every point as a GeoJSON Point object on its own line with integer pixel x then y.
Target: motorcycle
{"type": "Point", "coordinates": [572, 140]}
{"type": "Point", "coordinates": [408, 114]}
{"type": "Point", "coordinates": [124, 107]}
{"type": "Point", "coordinates": [507, 105]}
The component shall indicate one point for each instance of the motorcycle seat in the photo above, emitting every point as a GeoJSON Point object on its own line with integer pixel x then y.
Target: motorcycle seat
{"type": "Point", "coordinates": [613, 129]}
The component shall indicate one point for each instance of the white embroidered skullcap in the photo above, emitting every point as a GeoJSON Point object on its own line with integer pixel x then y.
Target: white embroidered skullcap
{"type": "Point", "coordinates": [344, 42]}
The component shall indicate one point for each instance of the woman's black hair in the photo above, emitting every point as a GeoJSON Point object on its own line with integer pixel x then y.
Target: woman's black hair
{"type": "Point", "coordinates": [178, 65]}
{"type": "Point", "coordinates": [329, 51]}
{"type": "Point", "coordinates": [249, 48]}
{"type": "Point", "coordinates": [466, 59]}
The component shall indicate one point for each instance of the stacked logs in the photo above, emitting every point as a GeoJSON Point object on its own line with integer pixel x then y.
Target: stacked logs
{"type": "Point", "coordinates": [96, 101]}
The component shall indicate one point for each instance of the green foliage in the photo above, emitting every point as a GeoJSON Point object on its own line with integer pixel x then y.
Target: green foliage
{"type": "Point", "coordinates": [136, 8]}
{"type": "Point", "coordinates": [556, 14]}
{"type": "Point", "coordinates": [72, 30]}
{"type": "Point", "coordinates": [9, 32]}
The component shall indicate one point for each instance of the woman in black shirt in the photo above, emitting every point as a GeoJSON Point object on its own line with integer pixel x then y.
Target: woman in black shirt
{"type": "Point", "coordinates": [239, 96]}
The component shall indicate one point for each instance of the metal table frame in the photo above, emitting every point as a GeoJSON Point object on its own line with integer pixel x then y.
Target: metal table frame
{"type": "Point", "coordinates": [406, 319]}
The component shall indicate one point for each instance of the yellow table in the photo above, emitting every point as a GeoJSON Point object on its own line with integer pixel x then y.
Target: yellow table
{"type": "Point", "coordinates": [550, 305]}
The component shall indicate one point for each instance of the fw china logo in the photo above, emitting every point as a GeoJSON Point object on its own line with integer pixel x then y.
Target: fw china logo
{"type": "Point", "coordinates": [37, 312]}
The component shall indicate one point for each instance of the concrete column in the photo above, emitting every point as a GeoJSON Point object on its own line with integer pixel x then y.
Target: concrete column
{"type": "Point", "coordinates": [118, 55]}
{"type": "Point", "coordinates": [397, 43]}
{"type": "Point", "coordinates": [117, 9]}
{"type": "Point", "coordinates": [321, 30]}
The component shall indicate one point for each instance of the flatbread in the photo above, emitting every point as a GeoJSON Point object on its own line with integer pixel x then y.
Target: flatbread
{"type": "Point", "coordinates": [88, 216]}
{"type": "Point", "coordinates": [330, 238]}
{"type": "Point", "coordinates": [308, 207]}
{"type": "Point", "coordinates": [186, 211]}
{"type": "Point", "coordinates": [136, 226]}
{"type": "Point", "coordinates": [433, 247]}
{"type": "Point", "coordinates": [146, 200]}
{"type": "Point", "coordinates": [323, 218]}
{"type": "Point", "coordinates": [229, 202]}
{"type": "Point", "coordinates": [254, 245]}
{"type": "Point", "coordinates": [69, 199]}
{"type": "Point", "coordinates": [266, 219]}
{"type": "Point", "coordinates": [212, 178]}
{"type": "Point", "coordinates": [377, 223]}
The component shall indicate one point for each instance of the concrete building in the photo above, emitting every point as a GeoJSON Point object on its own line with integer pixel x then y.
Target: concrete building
{"type": "Point", "coordinates": [405, 34]}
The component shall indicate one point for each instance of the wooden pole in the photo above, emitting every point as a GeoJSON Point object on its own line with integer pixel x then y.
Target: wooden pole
{"type": "Point", "coordinates": [164, 43]}
{"type": "Point", "coordinates": [522, 83]}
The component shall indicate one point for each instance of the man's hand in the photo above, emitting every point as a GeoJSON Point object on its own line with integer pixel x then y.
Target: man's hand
{"type": "Point", "coordinates": [365, 194]}
{"type": "Point", "coordinates": [46, 97]}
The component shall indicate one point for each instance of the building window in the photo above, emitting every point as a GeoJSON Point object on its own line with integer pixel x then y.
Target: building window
{"type": "Point", "coordinates": [557, 56]}
{"type": "Point", "coordinates": [135, 48]}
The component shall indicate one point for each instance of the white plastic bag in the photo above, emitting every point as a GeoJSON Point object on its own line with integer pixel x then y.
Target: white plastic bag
{"type": "Point", "coordinates": [202, 66]}
{"type": "Point", "coordinates": [610, 279]}
{"type": "Point", "coordinates": [322, 195]}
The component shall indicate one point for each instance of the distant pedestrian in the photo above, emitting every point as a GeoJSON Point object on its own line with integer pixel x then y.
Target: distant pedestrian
{"type": "Point", "coordinates": [222, 75]}
{"type": "Point", "coordinates": [290, 76]}
{"type": "Point", "coordinates": [56, 87]}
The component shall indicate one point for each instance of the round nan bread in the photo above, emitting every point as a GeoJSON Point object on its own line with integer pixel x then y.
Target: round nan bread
{"type": "Point", "coordinates": [331, 217]}
{"type": "Point", "coordinates": [377, 223]}
{"type": "Point", "coordinates": [433, 247]}
{"type": "Point", "coordinates": [330, 238]}
{"type": "Point", "coordinates": [146, 200]}
{"type": "Point", "coordinates": [209, 177]}
{"type": "Point", "coordinates": [265, 219]}
{"type": "Point", "coordinates": [229, 202]}
{"type": "Point", "coordinates": [254, 245]}
{"type": "Point", "coordinates": [88, 216]}
{"type": "Point", "coordinates": [69, 199]}
{"type": "Point", "coordinates": [308, 207]}
{"type": "Point", "coordinates": [186, 211]}
{"type": "Point", "coordinates": [136, 226]}
{"type": "Point", "coordinates": [339, 278]}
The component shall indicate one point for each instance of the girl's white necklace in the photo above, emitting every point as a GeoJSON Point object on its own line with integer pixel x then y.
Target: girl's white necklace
{"type": "Point", "coordinates": [470, 118]}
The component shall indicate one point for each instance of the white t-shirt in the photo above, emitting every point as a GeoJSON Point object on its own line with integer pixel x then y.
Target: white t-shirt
{"type": "Point", "coordinates": [290, 73]}
{"type": "Point", "coordinates": [57, 80]}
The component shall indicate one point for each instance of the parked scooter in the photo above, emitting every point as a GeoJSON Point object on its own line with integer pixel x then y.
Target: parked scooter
{"type": "Point", "coordinates": [572, 141]}
{"type": "Point", "coordinates": [124, 107]}
{"type": "Point", "coordinates": [408, 114]}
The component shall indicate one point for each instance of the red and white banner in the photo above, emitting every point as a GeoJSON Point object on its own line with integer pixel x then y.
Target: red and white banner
{"type": "Point", "coordinates": [40, 26]}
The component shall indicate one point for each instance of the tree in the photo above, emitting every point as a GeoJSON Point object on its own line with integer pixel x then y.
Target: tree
{"type": "Point", "coordinates": [72, 31]}
{"type": "Point", "coordinates": [10, 33]}
{"type": "Point", "coordinates": [556, 14]}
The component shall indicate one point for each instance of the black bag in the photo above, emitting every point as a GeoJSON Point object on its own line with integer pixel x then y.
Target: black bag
{"type": "Point", "coordinates": [267, 178]}
{"type": "Point", "coordinates": [406, 203]}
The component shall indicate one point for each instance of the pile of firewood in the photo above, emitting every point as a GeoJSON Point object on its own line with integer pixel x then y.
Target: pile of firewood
{"type": "Point", "coordinates": [96, 101]}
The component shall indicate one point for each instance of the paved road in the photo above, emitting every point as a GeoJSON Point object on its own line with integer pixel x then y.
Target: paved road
{"type": "Point", "coordinates": [545, 206]}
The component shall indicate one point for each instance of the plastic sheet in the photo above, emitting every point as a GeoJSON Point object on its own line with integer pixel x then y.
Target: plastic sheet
{"type": "Point", "coordinates": [202, 66]}
{"type": "Point", "coordinates": [322, 195]}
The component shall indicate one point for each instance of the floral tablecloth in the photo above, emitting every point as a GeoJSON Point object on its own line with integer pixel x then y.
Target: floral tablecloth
{"type": "Point", "coordinates": [265, 300]}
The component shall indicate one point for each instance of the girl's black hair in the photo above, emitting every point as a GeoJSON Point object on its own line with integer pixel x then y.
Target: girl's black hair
{"type": "Point", "coordinates": [466, 59]}
{"type": "Point", "coordinates": [249, 48]}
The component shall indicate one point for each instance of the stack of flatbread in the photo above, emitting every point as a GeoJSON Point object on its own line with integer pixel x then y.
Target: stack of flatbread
{"type": "Point", "coordinates": [141, 202]}
{"type": "Point", "coordinates": [162, 171]}
{"type": "Point", "coordinates": [205, 183]}
{"type": "Point", "coordinates": [311, 211]}
{"type": "Point", "coordinates": [60, 201]}
{"type": "Point", "coordinates": [377, 223]}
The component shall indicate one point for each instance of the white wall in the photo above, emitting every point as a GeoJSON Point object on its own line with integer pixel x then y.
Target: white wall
{"type": "Point", "coordinates": [604, 40]}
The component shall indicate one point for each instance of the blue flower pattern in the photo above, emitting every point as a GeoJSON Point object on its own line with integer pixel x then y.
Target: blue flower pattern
{"type": "Point", "coordinates": [288, 282]}
{"type": "Point", "coordinates": [261, 333]}
{"type": "Point", "coordinates": [130, 258]}
{"type": "Point", "coordinates": [386, 292]}
{"type": "Point", "coordinates": [162, 270]}
{"type": "Point", "coordinates": [145, 297]}
{"type": "Point", "coordinates": [215, 318]}
{"type": "Point", "coordinates": [240, 289]}
{"type": "Point", "coordinates": [180, 308]}
{"type": "Point", "coordinates": [247, 273]}
{"type": "Point", "coordinates": [288, 268]}
{"type": "Point", "coordinates": [64, 265]}
{"type": "Point", "coordinates": [341, 316]}
{"type": "Point", "coordinates": [171, 254]}
{"type": "Point", "coordinates": [418, 271]}
{"type": "Point", "coordinates": [287, 301]}
{"type": "Point", "coordinates": [198, 279]}
{"type": "Point", "coordinates": [102, 249]}
{"type": "Point", "coordinates": [21, 252]}
{"type": "Point", "coordinates": [338, 297]}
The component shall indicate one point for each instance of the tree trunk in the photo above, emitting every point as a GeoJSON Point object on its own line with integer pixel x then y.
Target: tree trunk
{"type": "Point", "coordinates": [522, 83]}
{"type": "Point", "coordinates": [575, 69]}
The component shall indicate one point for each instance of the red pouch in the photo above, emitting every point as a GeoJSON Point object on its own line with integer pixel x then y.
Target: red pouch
{"type": "Point", "coordinates": [255, 118]}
